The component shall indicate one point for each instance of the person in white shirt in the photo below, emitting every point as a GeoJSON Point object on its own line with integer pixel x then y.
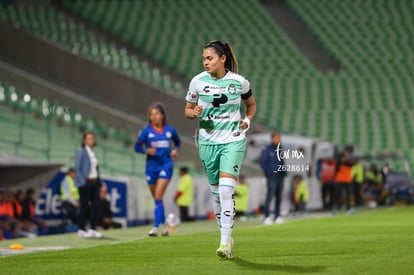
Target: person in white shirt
{"type": "Point", "coordinates": [89, 184]}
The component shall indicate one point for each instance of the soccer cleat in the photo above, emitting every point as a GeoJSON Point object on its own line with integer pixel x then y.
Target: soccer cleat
{"type": "Point", "coordinates": [153, 233]}
{"type": "Point", "coordinates": [165, 231]}
{"type": "Point", "coordinates": [84, 234]}
{"type": "Point", "coordinates": [268, 221]}
{"type": "Point", "coordinates": [279, 220]}
{"type": "Point", "coordinates": [95, 234]}
{"type": "Point", "coordinates": [224, 252]}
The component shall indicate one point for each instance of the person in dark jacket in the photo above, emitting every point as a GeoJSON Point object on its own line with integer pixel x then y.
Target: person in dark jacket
{"type": "Point", "coordinates": [31, 222]}
{"type": "Point", "coordinates": [273, 167]}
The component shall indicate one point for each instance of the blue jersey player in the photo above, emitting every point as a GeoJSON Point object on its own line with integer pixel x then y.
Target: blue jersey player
{"type": "Point", "coordinates": [155, 140]}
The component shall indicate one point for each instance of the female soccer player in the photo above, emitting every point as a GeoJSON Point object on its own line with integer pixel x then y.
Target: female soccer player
{"type": "Point", "coordinates": [155, 141]}
{"type": "Point", "coordinates": [215, 96]}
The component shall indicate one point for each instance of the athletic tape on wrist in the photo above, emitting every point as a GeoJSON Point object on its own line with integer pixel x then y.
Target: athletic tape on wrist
{"type": "Point", "coordinates": [247, 121]}
{"type": "Point", "coordinates": [240, 131]}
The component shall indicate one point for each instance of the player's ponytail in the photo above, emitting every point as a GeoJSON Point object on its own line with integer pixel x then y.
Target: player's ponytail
{"type": "Point", "coordinates": [224, 48]}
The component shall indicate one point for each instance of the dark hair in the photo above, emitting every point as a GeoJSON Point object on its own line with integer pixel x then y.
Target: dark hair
{"type": "Point", "coordinates": [30, 191]}
{"type": "Point", "coordinates": [18, 193]}
{"type": "Point", "coordinates": [224, 48]}
{"type": "Point", "coordinates": [84, 137]}
{"type": "Point", "coordinates": [275, 133]}
{"type": "Point", "coordinates": [184, 169]}
{"type": "Point", "coordinates": [161, 108]}
{"type": "Point", "coordinates": [70, 170]}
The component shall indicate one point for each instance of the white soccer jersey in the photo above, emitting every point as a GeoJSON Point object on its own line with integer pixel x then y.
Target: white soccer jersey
{"type": "Point", "coordinates": [221, 100]}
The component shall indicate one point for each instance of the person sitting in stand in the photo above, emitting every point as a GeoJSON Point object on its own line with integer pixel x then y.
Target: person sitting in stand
{"type": "Point", "coordinates": [105, 220]}
{"type": "Point", "coordinates": [31, 223]}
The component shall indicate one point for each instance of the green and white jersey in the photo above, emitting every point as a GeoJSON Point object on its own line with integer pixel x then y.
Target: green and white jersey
{"type": "Point", "coordinates": [221, 100]}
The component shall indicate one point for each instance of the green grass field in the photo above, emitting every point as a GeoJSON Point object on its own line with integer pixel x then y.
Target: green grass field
{"type": "Point", "coordinates": [369, 242]}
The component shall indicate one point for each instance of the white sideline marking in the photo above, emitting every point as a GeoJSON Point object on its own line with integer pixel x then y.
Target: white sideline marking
{"type": "Point", "coordinates": [10, 252]}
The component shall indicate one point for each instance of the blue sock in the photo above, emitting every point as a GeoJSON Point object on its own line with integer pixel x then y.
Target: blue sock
{"type": "Point", "coordinates": [159, 216]}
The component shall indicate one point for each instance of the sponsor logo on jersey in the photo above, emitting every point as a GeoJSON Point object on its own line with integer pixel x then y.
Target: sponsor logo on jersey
{"type": "Point", "coordinates": [222, 117]}
{"type": "Point", "coordinates": [162, 144]}
{"type": "Point", "coordinates": [208, 89]}
{"type": "Point", "coordinates": [219, 99]}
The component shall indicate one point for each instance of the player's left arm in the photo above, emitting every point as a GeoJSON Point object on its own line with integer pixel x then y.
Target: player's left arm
{"type": "Point", "coordinates": [250, 103]}
{"type": "Point", "coordinates": [177, 143]}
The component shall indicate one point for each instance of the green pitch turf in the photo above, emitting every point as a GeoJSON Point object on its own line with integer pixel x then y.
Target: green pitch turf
{"type": "Point", "coordinates": [369, 242]}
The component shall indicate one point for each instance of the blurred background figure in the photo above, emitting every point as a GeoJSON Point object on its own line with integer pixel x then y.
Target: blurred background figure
{"type": "Point", "coordinates": [326, 174]}
{"type": "Point", "coordinates": [184, 194]}
{"type": "Point", "coordinates": [69, 196]}
{"type": "Point", "coordinates": [241, 198]}
{"type": "Point", "coordinates": [156, 141]}
{"type": "Point", "coordinates": [31, 223]}
{"type": "Point", "coordinates": [357, 181]}
{"type": "Point", "coordinates": [343, 180]}
{"type": "Point", "coordinates": [88, 181]}
{"type": "Point", "coordinates": [272, 166]}
{"type": "Point", "coordinates": [10, 226]}
{"type": "Point", "coordinates": [373, 183]}
{"type": "Point", "coordinates": [300, 194]}
{"type": "Point", "coordinates": [104, 219]}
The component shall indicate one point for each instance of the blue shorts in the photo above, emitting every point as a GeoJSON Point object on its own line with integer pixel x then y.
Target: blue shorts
{"type": "Point", "coordinates": [164, 172]}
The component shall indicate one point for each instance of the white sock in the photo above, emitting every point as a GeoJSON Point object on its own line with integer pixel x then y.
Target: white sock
{"type": "Point", "coordinates": [216, 203]}
{"type": "Point", "coordinates": [226, 191]}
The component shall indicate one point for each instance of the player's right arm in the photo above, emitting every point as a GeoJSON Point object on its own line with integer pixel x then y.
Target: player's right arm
{"type": "Point", "coordinates": [192, 110]}
{"type": "Point", "coordinates": [139, 144]}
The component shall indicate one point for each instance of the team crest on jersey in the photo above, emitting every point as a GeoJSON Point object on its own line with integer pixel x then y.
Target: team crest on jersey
{"type": "Point", "coordinates": [168, 134]}
{"type": "Point", "coordinates": [232, 88]}
{"type": "Point", "coordinates": [151, 135]}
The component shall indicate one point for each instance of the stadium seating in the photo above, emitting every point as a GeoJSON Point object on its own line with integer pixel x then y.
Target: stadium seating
{"type": "Point", "coordinates": [55, 26]}
{"type": "Point", "coordinates": [174, 32]}
{"type": "Point", "coordinates": [27, 131]}
{"type": "Point", "coordinates": [373, 41]}
{"type": "Point", "coordinates": [368, 103]}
